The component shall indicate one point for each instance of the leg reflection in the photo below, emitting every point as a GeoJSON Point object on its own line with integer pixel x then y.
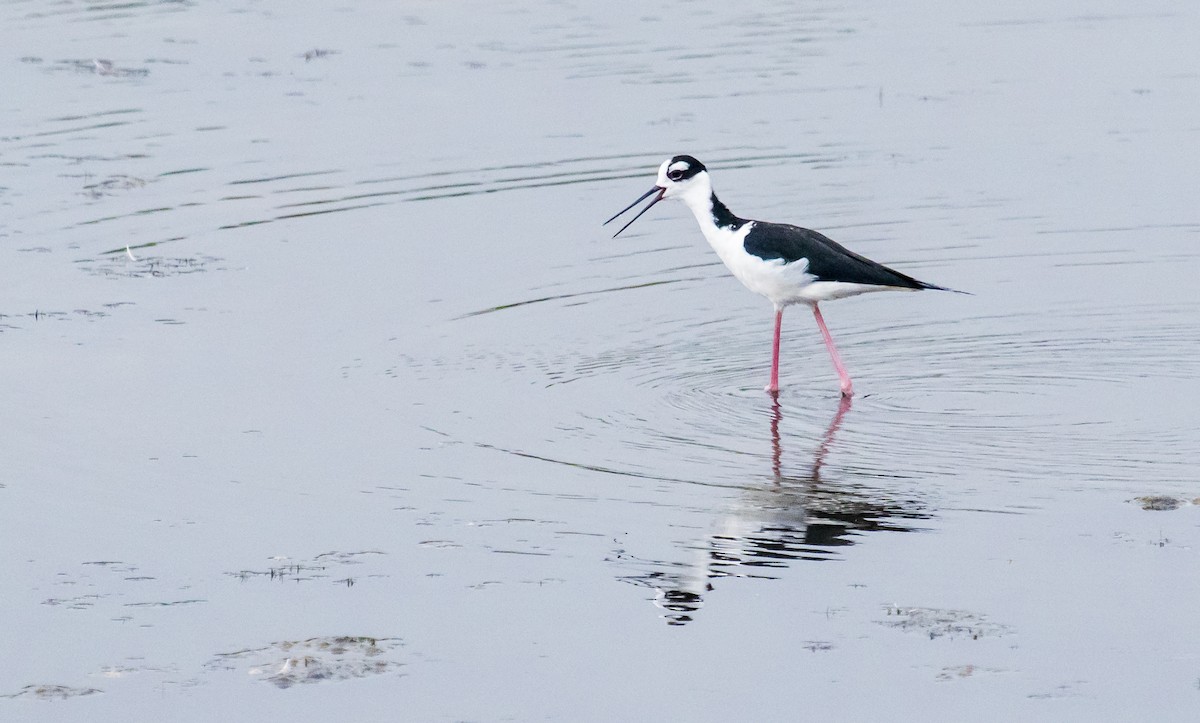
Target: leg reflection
{"type": "Point", "coordinates": [793, 517]}
{"type": "Point", "coordinates": [826, 441]}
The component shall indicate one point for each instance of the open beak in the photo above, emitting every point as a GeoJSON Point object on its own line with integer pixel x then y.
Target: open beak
{"type": "Point", "coordinates": [660, 191]}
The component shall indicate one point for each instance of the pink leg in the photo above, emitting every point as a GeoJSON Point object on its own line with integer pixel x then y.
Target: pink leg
{"type": "Point", "coordinates": [774, 385]}
{"type": "Point", "coordinates": [847, 387]}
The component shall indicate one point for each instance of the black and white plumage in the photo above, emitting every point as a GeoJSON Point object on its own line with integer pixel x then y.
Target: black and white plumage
{"type": "Point", "coordinates": [787, 264]}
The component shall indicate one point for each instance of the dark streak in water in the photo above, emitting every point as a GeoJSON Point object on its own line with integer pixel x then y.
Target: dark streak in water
{"type": "Point", "coordinates": [61, 131]}
{"type": "Point", "coordinates": [282, 177]}
{"type": "Point", "coordinates": [558, 297]}
{"type": "Point", "coordinates": [243, 224]}
{"type": "Point", "coordinates": [98, 114]}
{"type": "Point", "coordinates": [325, 211]}
{"type": "Point", "coordinates": [592, 467]}
{"type": "Point", "coordinates": [181, 172]}
{"type": "Point", "coordinates": [163, 604]}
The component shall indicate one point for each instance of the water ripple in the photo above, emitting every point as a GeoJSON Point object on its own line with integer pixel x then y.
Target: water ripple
{"type": "Point", "coordinates": [980, 394]}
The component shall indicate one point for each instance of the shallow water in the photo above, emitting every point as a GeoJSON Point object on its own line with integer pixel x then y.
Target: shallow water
{"type": "Point", "coordinates": [326, 393]}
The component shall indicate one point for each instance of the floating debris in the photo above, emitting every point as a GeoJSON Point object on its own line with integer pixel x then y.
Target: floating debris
{"type": "Point", "coordinates": [942, 623]}
{"type": "Point", "coordinates": [347, 558]}
{"type": "Point", "coordinates": [113, 185]}
{"type": "Point", "coordinates": [79, 602]}
{"type": "Point", "coordinates": [958, 672]}
{"type": "Point", "coordinates": [164, 603]}
{"type": "Point", "coordinates": [124, 263]}
{"type": "Point", "coordinates": [98, 66]}
{"type": "Point", "coordinates": [51, 692]}
{"type": "Point", "coordinates": [101, 66]}
{"type": "Point", "coordinates": [318, 53]}
{"type": "Point", "coordinates": [315, 660]}
{"type": "Point", "coordinates": [1159, 503]}
{"type": "Point", "coordinates": [320, 567]}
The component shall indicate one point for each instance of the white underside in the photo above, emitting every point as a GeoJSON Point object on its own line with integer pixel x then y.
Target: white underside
{"type": "Point", "coordinates": [782, 283]}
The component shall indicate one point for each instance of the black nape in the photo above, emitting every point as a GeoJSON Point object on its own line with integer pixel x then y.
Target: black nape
{"type": "Point", "coordinates": [723, 217]}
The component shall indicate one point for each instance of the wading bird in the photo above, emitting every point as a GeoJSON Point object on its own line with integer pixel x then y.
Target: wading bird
{"type": "Point", "coordinates": [787, 264]}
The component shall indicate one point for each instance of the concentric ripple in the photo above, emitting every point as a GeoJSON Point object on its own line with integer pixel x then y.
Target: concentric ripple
{"type": "Point", "coordinates": [996, 397]}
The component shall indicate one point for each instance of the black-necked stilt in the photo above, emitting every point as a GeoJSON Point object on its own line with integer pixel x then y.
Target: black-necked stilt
{"type": "Point", "coordinates": [787, 264]}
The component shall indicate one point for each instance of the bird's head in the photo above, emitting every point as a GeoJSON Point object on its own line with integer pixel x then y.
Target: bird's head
{"type": "Point", "coordinates": [681, 177]}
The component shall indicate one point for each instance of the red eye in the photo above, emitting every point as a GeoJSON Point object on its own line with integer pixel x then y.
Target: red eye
{"type": "Point", "coordinates": [675, 175]}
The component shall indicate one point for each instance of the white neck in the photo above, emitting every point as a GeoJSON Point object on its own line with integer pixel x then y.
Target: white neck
{"type": "Point", "coordinates": [725, 240]}
{"type": "Point", "coordinates": [698, 198]}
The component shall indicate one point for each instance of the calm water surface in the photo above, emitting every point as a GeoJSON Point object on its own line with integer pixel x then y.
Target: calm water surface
{"type": "Point", "coordinates": [326, 394]}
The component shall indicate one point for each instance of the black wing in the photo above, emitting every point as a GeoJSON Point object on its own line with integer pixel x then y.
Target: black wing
{"type": "Point", "coordinates": [827, 259]}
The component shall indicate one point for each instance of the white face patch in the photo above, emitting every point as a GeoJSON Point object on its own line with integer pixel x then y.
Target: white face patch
{"type": "Point", "coordinates": [671, 177]}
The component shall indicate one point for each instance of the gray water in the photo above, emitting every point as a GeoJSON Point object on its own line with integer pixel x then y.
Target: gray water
{"type": "Point", "coordinates": [326, 396]}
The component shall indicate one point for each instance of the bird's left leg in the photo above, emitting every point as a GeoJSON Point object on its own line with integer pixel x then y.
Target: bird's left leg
{"type": "Point", "coordinates": [774, 385]}
{"type": "Point", "coordinates": [847, 386]}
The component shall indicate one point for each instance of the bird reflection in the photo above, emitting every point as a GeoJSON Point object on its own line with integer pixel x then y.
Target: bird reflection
{"type": "Point", "coordinates": [793, 517]}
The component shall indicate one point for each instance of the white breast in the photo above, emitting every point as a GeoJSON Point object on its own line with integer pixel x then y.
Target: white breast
{"type": "Point", "coordinates": [780, 282]}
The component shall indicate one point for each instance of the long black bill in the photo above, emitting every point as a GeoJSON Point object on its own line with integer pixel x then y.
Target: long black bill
{"type": "Point", "coordinates": [643, 197]}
